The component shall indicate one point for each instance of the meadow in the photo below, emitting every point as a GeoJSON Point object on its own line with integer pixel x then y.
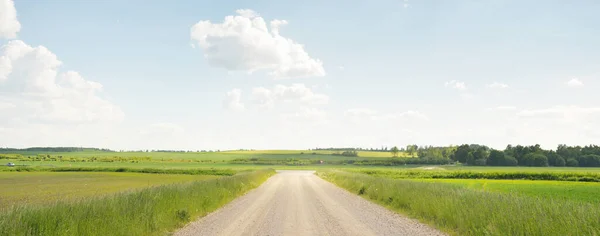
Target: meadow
{"type": "Point", "coordinates": [22, 188]}
{"type": "Point", "coordinates": [459, 199]}
{"type": "Point", "coordinates": [149, 211]}
{"type": "Point", "coordinates": [460, 210]}
{"type": "Point", "coordinates": [551, 190]}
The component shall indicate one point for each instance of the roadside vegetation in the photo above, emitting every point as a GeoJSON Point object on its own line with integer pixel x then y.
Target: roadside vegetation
{"type": "Point", "coordinates": [459, 210]}
{"type": "Point", "coordinates": [150, 211]}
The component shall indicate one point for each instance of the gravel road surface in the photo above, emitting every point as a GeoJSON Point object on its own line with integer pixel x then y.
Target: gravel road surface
{"type": "Point", "coordinates": [300, 203]}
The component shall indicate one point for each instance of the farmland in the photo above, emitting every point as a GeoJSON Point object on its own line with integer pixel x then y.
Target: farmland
{"type": "Point", "coordinates": [48, 187]}
{"type": "Point", "coordinates": [459, 199]}
{"type": "Point", "coordinates": [462, 210]}
{"type": "Point", "coordinates": [148, 211]}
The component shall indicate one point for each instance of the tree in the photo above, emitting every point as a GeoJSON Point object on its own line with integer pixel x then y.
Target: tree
{"type": "Point", "coordinates": [496, 158]}
{"type": "Point", "coordinates": [590, 160]}
{"type": "Point", "coordinates": [395, 151]}
{"type": "Point", "coordinates": [572, 162]}
{"type": "Point", "coordinates": [461, 153]}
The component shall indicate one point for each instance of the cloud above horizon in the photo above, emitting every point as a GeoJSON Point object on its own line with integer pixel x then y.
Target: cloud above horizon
{"type": "Point", "coordinates": [243, 42]}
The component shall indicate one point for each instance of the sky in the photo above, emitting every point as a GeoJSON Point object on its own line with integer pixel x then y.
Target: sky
{"type": "Point", "coordinates": [194, 75]}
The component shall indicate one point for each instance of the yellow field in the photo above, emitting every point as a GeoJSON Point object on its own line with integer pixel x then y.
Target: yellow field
{"type": "Point", "coordinates": [323, 152]}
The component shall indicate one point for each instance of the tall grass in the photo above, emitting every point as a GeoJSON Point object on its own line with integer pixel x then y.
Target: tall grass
{"type": "Point", "coordinates": [434, 174]}
{"type": "Point", "coordinates": [152, 211]}
{"type": "Point", "coordinates": [463, 211]}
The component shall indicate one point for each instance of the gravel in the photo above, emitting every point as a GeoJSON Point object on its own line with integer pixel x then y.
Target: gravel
{"type": "Point", "coordinates": [300, 203]}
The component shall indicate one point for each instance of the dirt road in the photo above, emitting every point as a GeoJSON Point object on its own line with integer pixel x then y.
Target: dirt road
{"type": "Point", "coordinates": [300, 203]}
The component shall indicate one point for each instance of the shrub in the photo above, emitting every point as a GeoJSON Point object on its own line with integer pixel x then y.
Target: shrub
{"type": "Point", "coordinates": [572, 162]}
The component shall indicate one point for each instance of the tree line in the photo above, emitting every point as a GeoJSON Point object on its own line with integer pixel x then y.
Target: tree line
{"type": "Point", "coordinates": [519, 155]}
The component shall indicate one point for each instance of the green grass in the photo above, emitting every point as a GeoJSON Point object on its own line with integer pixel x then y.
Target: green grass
{"type": "Point", "coordinates": [582, 174]}
{"type": "Point", "coordinates": [561, 190]}
{"type": "Point", "coordinates": [463, 211]}
{"type": "Point", "coordinates": [150, 211]}
{"type": "Point", "coordinates": [47, 187]}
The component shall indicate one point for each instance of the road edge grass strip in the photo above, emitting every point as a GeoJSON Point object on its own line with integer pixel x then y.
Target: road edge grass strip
{"type": "Point", "coordinates": [460, 211]}
{"type": "Point", "coordinates": [420, 174]}
{"type": "Point", "coordinates": [151, 211]}
{"type": "Point", "coordinates": [221, 172]}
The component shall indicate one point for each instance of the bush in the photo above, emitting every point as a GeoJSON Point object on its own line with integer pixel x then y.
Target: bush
{"type": "Point", "coordinates": [510, 161]}
{"type": "Point", "coordinates": [540, 160]}
{"type": "Point", "coordinates": [572, 162]}
{"type": "Point", "coordinates": [479, 162]}
{"type": "Point", "coordinates": [534, 159]}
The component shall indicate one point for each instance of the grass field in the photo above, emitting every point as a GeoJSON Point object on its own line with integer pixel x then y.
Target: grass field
{"type": "Point", "coordinates": [150, 211]}
{"type": "Point", "coordinates": [48, 187]}
{"type": "Point", "coordinates": [462, 200]}
{"type": "Point", "coordinates": [561, 190]}
{"type": "Point", "coordinates": [466, 211]}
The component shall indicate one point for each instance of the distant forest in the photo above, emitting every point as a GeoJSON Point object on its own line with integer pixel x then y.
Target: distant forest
{"type": "Point", "coordinates": [481, 155]}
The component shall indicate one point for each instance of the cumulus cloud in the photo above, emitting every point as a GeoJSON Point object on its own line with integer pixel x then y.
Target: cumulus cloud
{"type": "Point", "coordinates": [574, 82]}
{"type": "Point", "coordinates": [294, 93]}
{"type": "Point", "coordinates": [245, 43]}
{"type": "Point", "coordinates": [456, 85]}
{"type": "Point", "coordinates": [233, 100]}
{"type": "Point", "coordinates": [30, 80]}
{"type": "Point", "coordinates": [497, 85]}
{"type": "Point", "coordinates": [9, 25]}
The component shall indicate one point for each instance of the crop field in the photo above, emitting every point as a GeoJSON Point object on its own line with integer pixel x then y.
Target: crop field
{"type": "Point", "coordinates": [47, 187]}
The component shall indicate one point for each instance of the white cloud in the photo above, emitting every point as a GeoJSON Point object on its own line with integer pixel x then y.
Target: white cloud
{"type": "Point", "coordinates": [294, 93]}
{"type": "Point", "coordinates": [497, 85]}
{"type": "Point", "coordinates": [30, 80]}
{"type": "Point", "coordinates": [233, 100]}
{"type": "Point", "coordinates": [574, 82]}
{"type": "Point", "coordinates": [456, 85]}
{"type": "Point", "coordinates": [243, 42]}
{"type": "Point", "coordinates": [341, 67]}
{"type": "Point", "coordinates": [9, 25]}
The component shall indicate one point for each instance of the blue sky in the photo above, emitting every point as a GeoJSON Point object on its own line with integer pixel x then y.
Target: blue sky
{"type": "Point", "coordinates": [151, 75]}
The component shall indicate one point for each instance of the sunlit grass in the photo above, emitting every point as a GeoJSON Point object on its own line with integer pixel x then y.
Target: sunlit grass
{"type": "Point", "coordinates": [575, 191]}
{"type": "Point", "coordinates": [464, 211]}
{"type": "Point", "coordinates": [150, 211]}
